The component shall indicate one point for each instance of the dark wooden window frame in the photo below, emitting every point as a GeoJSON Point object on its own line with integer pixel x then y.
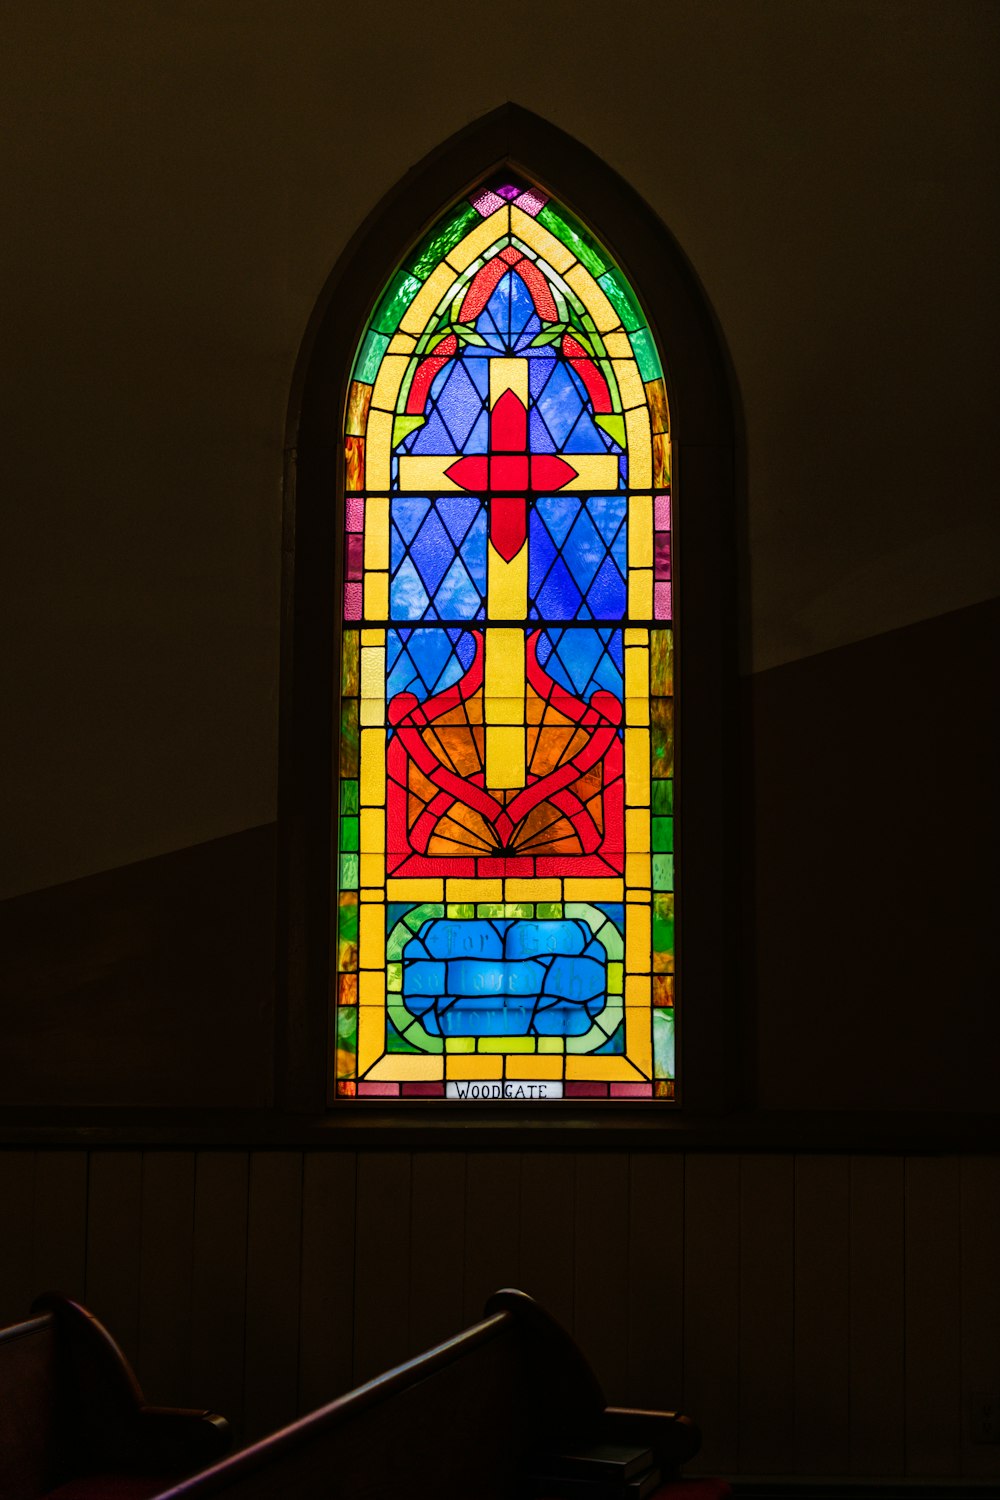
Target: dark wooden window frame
{"type": "Point", "coordinates": [713, 922]}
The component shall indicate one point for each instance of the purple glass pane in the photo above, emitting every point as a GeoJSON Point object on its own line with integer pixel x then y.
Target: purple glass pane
{"type": "Point", "coordinates": [355, 555]}
{"type": "Point", "coordinates": [352, 601]}
{"type": "Point", "coordinates": [487, 203]}
{"type": "Point", "coordinates": [661, 554]}
{"type": "Point", "coordinates": [508, 191]}
{"type": "Point", "coordinates": [355, 513]}
{"type": "Point", "coordinates": [532, 202]}
{"type": "Point", "coordinates": [586, 1091]}
{"type": "Point", "coordinates": [661, 513]}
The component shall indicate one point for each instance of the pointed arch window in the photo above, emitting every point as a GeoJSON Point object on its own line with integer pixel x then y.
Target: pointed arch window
{"type": "Point", "coordinates": [505, 864]}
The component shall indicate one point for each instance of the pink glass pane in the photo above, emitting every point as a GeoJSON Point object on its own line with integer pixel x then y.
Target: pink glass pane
{"type": "Point", "coordinates": [661, 554]}
{"type": "Point", "coordinates": [661, 512]}
{"type": "Point", "coordinates": [627, 1090]}
{"type": "Point", "coordinates": [487, 203]}
{"type": "Point", "coordinates": [385, 1089]}
{"type": "Point", "coordinates": [355, 555]}
{"type": "Point", "coordinates": [586, 1091]}
{"type": "Point", "coordinates": [355, 513]}
{"type": "Point", "coordinates": [662, 601]}
{"type": "Point", "coordinates": [532, 202]}
{"type": "Point", "coordinates": [352, 601]}
{"type": "Point", "coordinates": [423, 1090]}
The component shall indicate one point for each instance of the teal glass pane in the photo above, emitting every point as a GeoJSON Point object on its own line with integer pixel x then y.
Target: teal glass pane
{"type": "Point", "coordinates": [370, 356]}
{"type": "Point", "coordinates": [646, 357]}
{"type": "Point", "coordinates": [619, 294]}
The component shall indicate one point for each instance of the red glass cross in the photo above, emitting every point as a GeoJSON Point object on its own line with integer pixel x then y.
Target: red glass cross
{"type": "Point", "coordinates": [508, 468]}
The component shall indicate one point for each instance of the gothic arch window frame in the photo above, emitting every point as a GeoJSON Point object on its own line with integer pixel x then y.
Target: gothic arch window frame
{"type": "Point", "coordinates": [706, 455]}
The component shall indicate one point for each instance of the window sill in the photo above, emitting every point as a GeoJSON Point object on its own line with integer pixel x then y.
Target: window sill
{"type": "Point", "coordinates": [421, 1127]}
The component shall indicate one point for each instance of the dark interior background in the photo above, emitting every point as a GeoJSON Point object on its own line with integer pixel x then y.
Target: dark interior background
{"type": "Point", "coordinates": [180, 177]}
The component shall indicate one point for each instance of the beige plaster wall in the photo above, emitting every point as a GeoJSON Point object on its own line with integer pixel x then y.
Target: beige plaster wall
{"type": "Point", "coordinates": [180, 175]}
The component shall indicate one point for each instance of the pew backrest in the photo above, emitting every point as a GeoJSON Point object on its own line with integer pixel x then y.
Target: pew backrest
{"type": "Point", "coordinates": [456, 1422]}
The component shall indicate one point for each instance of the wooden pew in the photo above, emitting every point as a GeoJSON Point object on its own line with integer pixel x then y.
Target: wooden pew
{"type": "Point", "coordinates": [456, 1423]}
{"type": "Point", "coordinates": [74, 1424]}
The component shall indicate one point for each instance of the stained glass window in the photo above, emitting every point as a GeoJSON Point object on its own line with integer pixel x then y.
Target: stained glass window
{"type": "Point", "coordinates": [506, 881]}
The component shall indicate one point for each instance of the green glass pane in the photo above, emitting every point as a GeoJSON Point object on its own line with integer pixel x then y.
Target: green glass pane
{"type": "Point", "coordinates": [370, 357]}
{"type": "Point", "coordinates": [616, 978]}
{"type": "Point", "coordinates": [663, 1043]}
{"type": "Point", "coordinates": [663, 872]}
{"type": "Point", "coordinates": [348, 797]}
{"type": "Point", "coordinates": [663, 798]}
{"type": "Point", "coordinates": [348, 872]}
{"type": "Point", "coordinates": [394, 977]}
{"type": "Point", "coordinates": [663, 834]}
{"type": "Point", "coordinates": [347, 933]}
{"type": "Point", "coordinates": [421, 914]}
{"type": "Point", "coordinates": [349, 835]}
{"type": "Point", "coordinates": [347, 924]}
{"type": "Point", "coordinates": [619, 294]}
{"type": "Point", "coordinates": [572, 233]}
{"type": "Point", "coordinates": [443, 237]}
{"type": "Point", "coordinates": [646, 357]}
{"type": "Point", "coordinates": [398, 295]}
{"type": "Point", "coordinates": [663, 737]}
{"type": "Point", "coordinates": [549, 910]}
{"type": "Point", "coordinates": [507, 1044]}
{"type": "Point", "coordinates": [396, 1043]}
{"type": "Point", "coordinates": [347, 1027]}
{"type": "Point", "coordinates": [349, 668]}
{"type": "Point", "coordinates": [461, 909]}
{"type": "Point", "coordinates": [489, 909]}
{"type": "Point", "coordinates": [661, 664]}
{"type": "Point", "coordinates": [519, 909]}
{"type": "Point", "coordinates": [663, 922]}
{"type": "Point", "coordinates": [349, 740]}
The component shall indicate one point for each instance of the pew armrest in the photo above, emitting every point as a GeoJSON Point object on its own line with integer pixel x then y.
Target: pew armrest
{"type": "Point", "coordinates": [173, 1439]}
{"type": "Point", "coordinates": [673, 1438]}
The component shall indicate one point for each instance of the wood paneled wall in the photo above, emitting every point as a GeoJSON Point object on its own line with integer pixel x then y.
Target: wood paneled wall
{"type": "Point", "coordinates": [817, 1314]}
